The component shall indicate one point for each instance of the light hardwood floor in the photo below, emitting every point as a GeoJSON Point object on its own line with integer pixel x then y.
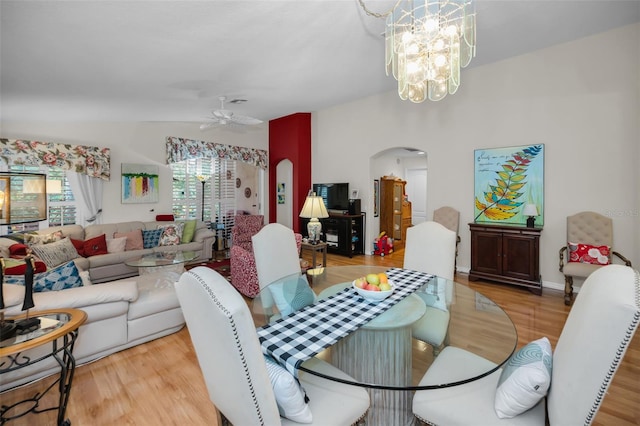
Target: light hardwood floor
{"type": "Point", "coordinates": [159, 383]}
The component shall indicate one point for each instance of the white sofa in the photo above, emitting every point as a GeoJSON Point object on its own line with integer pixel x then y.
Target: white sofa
{"type": "Point", "coordinates": [120, 314]}
{"type": "Point", "coordinates": [111, 266]}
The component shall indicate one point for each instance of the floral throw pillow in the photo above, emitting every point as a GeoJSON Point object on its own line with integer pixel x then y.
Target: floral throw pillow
{"type": "Point", "coordinates": [171, 234]}
{"type": "Point", "coordinates": [586, 253]}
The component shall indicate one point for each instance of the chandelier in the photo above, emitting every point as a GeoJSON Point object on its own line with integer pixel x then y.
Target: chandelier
{"type": "Point", "coordinates": [426, 44]}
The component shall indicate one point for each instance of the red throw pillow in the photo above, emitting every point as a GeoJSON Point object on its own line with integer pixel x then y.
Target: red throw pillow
{"type": "Point", "coordinates": [20, 269]}
{"type": "Point", "coordinates": [79, 245]}
{"type": "Point", "coordinates": [586, 253]}
{"type": "Point", "coordinates": [96, 245]}
{"type": "Point", "coordinates": [18, 249]}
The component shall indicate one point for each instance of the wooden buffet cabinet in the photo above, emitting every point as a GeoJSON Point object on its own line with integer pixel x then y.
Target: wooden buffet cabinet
{"type": "Point", "coordinates": [506, 254]}
{"type": "Point", "coordinates": [395, 210]}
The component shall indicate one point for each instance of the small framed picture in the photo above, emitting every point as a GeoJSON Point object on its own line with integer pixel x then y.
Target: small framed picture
{"type": "Point", "coordinates": [354, 194]}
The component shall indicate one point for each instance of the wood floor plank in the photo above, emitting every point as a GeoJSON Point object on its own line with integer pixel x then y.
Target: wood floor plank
{"type": "Point", "coordinates": [160, 382]}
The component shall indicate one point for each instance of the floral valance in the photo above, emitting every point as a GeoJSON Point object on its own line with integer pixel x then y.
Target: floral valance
{"type": "Point", "coordinates": [180, 149]}
{"type": "Point", "coordinates": [88, 160]}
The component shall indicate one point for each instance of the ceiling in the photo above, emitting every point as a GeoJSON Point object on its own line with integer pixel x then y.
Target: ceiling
{"type": "Point", "coordinates": [147, 60]}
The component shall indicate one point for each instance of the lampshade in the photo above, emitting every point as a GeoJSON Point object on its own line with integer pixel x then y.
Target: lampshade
{"type": "Point", "coordinates": [314, 207]}
{"type": "Point", "coordinates": [530, 210]}
{"type": "Point", "coordinates": [24, 198]}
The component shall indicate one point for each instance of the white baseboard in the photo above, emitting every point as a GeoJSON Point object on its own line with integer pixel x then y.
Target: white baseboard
{"type": "Point", "coordinates": [545, 284]}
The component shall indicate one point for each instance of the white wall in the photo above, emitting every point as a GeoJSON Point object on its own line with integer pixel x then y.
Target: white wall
{"type": "Point", "coordinates": [580, 99]}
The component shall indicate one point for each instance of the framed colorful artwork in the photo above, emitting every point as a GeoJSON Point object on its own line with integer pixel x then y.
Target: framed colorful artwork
{"type": "Point", "coordinates": [139, 183]}
{"type": "Point", "coordinates": [509, 185]}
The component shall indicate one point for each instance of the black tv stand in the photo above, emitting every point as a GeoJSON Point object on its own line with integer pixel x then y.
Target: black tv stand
{"type": "Point", "coordinates": [343, 233]}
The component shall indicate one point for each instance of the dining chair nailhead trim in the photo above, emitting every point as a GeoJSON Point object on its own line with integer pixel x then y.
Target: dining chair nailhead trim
{"type": "Point", "coordinates": [237, 340]}
{"type": "Point", "coordinates": [619, 354]}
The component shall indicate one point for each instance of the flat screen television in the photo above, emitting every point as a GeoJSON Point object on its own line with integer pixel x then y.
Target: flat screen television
{"type": "Point", "coordinates": [335, 195]}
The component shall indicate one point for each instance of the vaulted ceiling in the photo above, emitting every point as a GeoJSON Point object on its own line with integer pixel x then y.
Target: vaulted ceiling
{"type": "Point", "coordinates": [171, 60]}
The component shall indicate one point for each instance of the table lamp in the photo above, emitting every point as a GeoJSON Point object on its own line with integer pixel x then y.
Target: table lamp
{"type": "Point", "coordinates": [531, 211]}
{"type": "Point", "coordinates": [313, 209]}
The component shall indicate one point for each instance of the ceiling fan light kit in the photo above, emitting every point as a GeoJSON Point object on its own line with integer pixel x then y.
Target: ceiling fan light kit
{"type": "Point", "coordinates": [426, 44]}
{"type": "Point", "coordinates": [226, 117]}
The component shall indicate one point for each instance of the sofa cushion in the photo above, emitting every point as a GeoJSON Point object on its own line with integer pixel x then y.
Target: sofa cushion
{"type": "Point", "coordinates": [116, 245]}
{"type": "Point", "coordinates": [91, 247]}
{"type": "Point", "coordinates": [63, 277]}
{"type": "Point", "coordinates": [18, 266]}
{"type": "Point", "coordinates": [18, 249]}
{"type": "Point", "coordinates": [115, 258]}
{"type": "Point", "coordinates": [151, 237]}
{"type": "Point", "coordinates": [188, 231]}
{"type": "Point", "coordinates": [13, 294]}
{"type": "Point", "coordinates": [171, 234]}
{"type": "Point", "coordinates": [95, 246]}
{"type": "Point", "coordinates": [33, 239]}
{"type": "Point", "coordinates": [91, 231]}
{"type": "Point", "coordinates": [56, 253]}
{"type": "Point", "coordinates": [81, 297]}
{"type": "Point", "coordinates": [134, 239]}
{"type": "Point", "coordinates": [156, 293]}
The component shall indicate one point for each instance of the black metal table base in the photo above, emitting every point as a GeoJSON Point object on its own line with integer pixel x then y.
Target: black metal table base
{"type": "Point", "coordinates": [63, 354]}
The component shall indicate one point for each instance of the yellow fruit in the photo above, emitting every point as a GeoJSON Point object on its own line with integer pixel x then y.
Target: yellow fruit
{"type": "Point", "coordinates": [385, 286]}
{"type": "Point", "coordinates": [373, 279]}
{"type": "Point", "coordinates": [383, 277]}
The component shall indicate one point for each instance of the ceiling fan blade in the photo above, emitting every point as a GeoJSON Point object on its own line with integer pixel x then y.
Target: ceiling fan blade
{"type": "Point", "coordinates": [243, 119]}
{"type": "Point", "coordinates": [205, 126]}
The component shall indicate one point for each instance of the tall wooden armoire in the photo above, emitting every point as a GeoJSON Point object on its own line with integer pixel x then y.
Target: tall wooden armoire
{"type": "Point", "coordinates": [395, 209]}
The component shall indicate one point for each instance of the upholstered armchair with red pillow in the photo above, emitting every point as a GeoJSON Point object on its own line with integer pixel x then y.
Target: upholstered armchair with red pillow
{"type": "Point", "coordinates": [589, 247]}
{"type": "Point", "coordinates": [244, 276]}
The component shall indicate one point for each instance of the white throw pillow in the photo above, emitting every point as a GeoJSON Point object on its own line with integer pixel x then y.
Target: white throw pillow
{"type": "Point", "coordinates": [116, 245]}
{"type": "Point", "coordinates": [290, 397]}
{"type": "Point", "coordinates": [525, 379]}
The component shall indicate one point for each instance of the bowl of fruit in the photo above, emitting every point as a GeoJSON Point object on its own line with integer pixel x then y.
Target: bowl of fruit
{"type": "Point", "coordinates": [374, 287]}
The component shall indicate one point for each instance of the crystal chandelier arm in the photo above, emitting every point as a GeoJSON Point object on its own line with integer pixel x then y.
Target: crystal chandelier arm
{"type": "Point", "coordinates": [375, 14]}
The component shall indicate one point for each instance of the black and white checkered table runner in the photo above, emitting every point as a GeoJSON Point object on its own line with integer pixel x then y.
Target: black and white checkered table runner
{"type": "Point", "coordinates": [296, 338]}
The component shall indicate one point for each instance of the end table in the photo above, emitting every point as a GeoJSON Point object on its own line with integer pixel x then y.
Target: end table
{"type": "Point", "coordinates": [314, 249]}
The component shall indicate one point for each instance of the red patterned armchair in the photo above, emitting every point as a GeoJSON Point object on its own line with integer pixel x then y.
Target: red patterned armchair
{"type": "Point", "coordinates": [244, 276]}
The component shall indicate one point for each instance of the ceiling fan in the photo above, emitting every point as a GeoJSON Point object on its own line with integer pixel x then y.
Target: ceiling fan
{"type": "Point", "coordinates": [226, 117]}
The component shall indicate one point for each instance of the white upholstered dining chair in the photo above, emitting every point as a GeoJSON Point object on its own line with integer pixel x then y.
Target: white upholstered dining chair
{"type": "Point", "coordinates": [592, 343]}
{"type": "Point", "coordinates": [276, 253]}
{"type": "Point", "coordinates": [235, 372]}
{"type": "Point", "coordinates": [431, 248]}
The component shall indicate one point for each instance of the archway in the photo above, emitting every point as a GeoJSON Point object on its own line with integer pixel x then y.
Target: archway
{"type": "Point", "coordinates": [409, 164]}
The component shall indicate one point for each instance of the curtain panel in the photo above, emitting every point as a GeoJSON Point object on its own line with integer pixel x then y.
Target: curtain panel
{"type": "Point", "coordinates": [180, 149]}
{"type": "Point", "coordinates": [89, 160]}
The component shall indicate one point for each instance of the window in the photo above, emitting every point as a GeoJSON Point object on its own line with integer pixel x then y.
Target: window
{"type": "Point", "coordinates": [218, 196]}
{"type": "Point", "coordinates": [61, 206]}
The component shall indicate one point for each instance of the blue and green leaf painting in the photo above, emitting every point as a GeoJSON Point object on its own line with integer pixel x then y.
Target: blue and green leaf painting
{"type": "Point", "coordinates": [506, 179]}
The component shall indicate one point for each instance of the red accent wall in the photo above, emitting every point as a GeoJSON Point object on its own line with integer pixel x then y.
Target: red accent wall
{"type": "Point", "coordinates": [290, 138]}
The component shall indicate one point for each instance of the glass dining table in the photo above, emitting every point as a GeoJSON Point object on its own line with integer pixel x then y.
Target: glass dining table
{"type": "Point", "coordinates": [381, 353]}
